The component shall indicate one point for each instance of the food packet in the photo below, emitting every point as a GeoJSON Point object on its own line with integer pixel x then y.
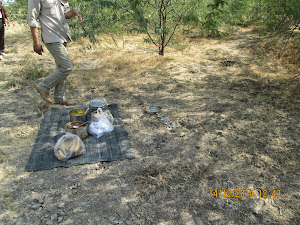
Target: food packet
{"type": "Point", "coordinates": [68, 146]}
{"type": "Point", "coordinates": [95, 116]}
{"type": "Point", "coordinates": [101, 126]}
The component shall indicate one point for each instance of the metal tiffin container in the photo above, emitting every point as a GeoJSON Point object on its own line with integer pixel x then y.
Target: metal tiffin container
{"type": "Point", "coordinates": [97, 103]}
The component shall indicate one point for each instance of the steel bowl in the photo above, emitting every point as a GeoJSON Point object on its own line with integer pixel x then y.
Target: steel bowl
{"type": "Point", "coordinates": [78, 115]}
{"type": "Point", "coordinates": [77, 127]}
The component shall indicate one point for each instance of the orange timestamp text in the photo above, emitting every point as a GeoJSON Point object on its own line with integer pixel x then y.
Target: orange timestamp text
{"type": "Point", "coordinates": [243, 193]}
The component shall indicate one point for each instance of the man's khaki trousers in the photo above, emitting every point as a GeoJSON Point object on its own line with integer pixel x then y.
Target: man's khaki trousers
{"type": "Point", "coordinates": [57, 79]}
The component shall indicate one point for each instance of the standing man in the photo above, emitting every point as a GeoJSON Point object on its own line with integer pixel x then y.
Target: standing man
{"type": "Point", "coordinates": [52, 16]}
{"type": "Point", "coordinates": [3, 21]}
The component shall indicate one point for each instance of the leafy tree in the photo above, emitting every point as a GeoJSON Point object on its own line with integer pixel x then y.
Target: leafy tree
{"type": "Point", "coordinates": [100, 16]}
{"type": "Point", "coordinates": [18, 11]}
{"type": "Point", "coordinates": [160, 18]}
{"type": "Point", "coordinates": [270, 13]}
{"type": "Point", "coordinates": [212, 19]}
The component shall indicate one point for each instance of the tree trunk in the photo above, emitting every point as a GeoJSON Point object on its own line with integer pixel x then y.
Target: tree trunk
{"type": "Point", "coordinates": [161, 50]}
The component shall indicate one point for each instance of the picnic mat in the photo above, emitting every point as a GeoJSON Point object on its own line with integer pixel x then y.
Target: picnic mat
{"type": "Point", "coordinates": [111, 147]}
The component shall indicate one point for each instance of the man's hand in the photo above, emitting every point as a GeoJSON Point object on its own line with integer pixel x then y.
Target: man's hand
{"type": "Point", "coordinates": [78, 14]}
{"type": "Point", "coordinates": [7, 22]}
{"type": "Point", "coordinates": [38, 48]}
{"type": "Point", "coordinates": [74, 13]}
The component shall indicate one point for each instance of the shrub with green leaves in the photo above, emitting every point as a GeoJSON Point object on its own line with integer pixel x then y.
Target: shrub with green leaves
{"type": "Point", "coordinates": [270, 13]}
{"type": "Point", "coordinates": [160, 19]}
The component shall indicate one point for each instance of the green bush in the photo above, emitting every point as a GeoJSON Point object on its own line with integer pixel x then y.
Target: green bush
{"type": "Point", "coordinates": [269, 13]}
{"type": "Point", "coordinates": [121, 16]}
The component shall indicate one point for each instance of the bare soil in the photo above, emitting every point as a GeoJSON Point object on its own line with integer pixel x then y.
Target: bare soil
{"type": "Point", "coordinates": [239, 126]}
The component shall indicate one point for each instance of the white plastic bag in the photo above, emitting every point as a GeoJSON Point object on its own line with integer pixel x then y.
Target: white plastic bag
{"type": "Point", "coordinates": [68, 146]}
{"type": "Point", "coordinates": [101, 126]}
{"type": "Point", "coordinates": [96, 116]}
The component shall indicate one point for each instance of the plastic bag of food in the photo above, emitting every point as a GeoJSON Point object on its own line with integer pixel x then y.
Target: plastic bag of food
{"type": "Point", "coordinates": [68, 146]}
{"type": "Point", "coordinates": [95, 116]}
{"type": "Point", "coordinates": [100, 126]}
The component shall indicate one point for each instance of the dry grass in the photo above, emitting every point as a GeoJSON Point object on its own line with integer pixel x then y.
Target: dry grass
{"type": "Point", "coordinates": [238, 129]}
